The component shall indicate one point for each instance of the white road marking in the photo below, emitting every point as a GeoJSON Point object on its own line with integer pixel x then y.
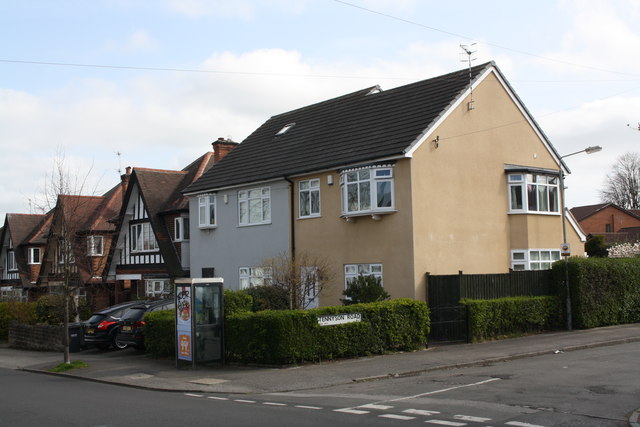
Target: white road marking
{"type": "Point", "coordinates": [193, 395]}
{"type": "Point", "coordinates": [397, 417]}
{"type": "Point", "coordinates": [446, 423]}
{"type": "Point", "coordinates": [420, 412]}
{"type": "Point", "coordinates": [519, 424]}
{"type": "Point", "coordinates": [274, 404]}
{"type": "Point", "coordinates": [351, 411]}
{"type": "Point", "coordinates": [442, 390]}
{"type": "Point", "coordinates": [472, 419]}
{"type": "Point", "coordinates": [373, 406]}
{"type": "Point", "coordinates": [308, 407]}
{"type": "Point", "coordinates": [217, 398]}
{"type": "Point", "coordinates": [244, 401]}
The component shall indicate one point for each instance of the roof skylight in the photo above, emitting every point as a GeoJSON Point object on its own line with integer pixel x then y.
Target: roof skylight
{"type": "Point", "coordinates": [285, 129]}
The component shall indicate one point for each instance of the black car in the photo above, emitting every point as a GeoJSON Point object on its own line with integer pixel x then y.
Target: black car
{"type": "Point", "coordinates": [132, 321]}
{"type": "Point", "coordinates": [102, 327]}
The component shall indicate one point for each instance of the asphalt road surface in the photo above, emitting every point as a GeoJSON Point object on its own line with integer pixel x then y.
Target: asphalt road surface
{"type": "Point", "coordinates": [593, 387]}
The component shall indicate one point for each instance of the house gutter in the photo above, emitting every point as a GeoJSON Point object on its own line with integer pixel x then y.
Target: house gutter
{"type": "Point", "coordinates": [292, 218]}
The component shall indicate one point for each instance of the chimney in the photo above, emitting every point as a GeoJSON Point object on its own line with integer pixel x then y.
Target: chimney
{"type": "Point", "coordinates": [221, 148]}
{"type": "Point", "coordinates": [125, 178]}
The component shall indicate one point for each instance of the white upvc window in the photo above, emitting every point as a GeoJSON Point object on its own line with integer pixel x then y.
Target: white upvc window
{"type": "Point", "coordinates": [180, 229]}
{"type": "Point", "coordinates": [533, 259]}
{"type": "Point", "coordinates": [368, 190]}
{"type": "Point", "coordinates": [65, 252]}
{"type": "Point", "coordinates": [11, 261]}
{"type": "Point", "coordinates": [157, 288]}
{"type": "Point", "coordinates": [95, 245]}
{"type": "Point", "coordinates": [533, 193]}
{"type": "Point", "coordinates": [254, 276]}
{"type": "Point", "coordinates": [143, 238]}
{"type": "Point", "coordinates": [207, 211]}
{"type": "Point", "coordinates": [352, 271]}
{"type": "Point", "coordinates": [309, 198]}
{"type": "Point", "coordinates": [34, 256]}
{"type": "Point", "coordinates": [254, 206]}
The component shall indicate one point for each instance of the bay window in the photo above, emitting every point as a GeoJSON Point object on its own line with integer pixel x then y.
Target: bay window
{"type": "Point", "coordinates": [532, 193]}
{"type": "Point", "coordinates": [367, 190]}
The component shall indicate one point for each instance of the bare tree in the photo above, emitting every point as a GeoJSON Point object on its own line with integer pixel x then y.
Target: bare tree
{"type": "Point", "coordinates": [622, 185]}
{"type": "Point", "coordinates": [303, 277]}
{"type": "Point", "coordinates": [63, 193]}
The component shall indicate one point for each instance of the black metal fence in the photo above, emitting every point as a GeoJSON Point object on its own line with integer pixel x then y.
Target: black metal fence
{"type": "Point", "coordinates": [449, 319]}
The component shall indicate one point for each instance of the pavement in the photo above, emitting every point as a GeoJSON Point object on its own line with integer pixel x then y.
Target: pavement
{"type": "Point", "coordinates": [132, 368]}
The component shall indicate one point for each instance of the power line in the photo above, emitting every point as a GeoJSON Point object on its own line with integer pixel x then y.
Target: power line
{"type": "Point", "coordinates": [521, 52]}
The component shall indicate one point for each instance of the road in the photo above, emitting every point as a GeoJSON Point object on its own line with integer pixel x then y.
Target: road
{"type": "Point", "coordinates": [591, 387]}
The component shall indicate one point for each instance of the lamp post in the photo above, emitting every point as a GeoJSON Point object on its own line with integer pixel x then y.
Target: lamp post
{"type": "Point", "coordinates": [587, 150]}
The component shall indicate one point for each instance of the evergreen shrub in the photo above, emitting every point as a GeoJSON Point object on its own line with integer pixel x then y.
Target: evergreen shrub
{"type": "Point", "coordinates": [160, 333]}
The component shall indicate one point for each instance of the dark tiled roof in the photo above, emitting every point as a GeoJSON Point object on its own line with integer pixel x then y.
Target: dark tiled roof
{"type": "Point", "coordinates": [357, 127]}
{"type": "Point", "coordinates": [583, 212]}
{"type": "Point", "coordinates": [22, 226]}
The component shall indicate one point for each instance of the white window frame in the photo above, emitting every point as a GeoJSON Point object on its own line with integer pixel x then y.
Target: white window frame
{"type": "Point", "coordinates": [65, 248]}
{"type": "Point", "coordinates": [543, 186]}
{"type": "Point", "coordinates": [533, 259]}
{"type": "Point", "coordinates": [254, 206]}
{"type": "Point", "coordinates": [92, 245]}
{"type": "Point", "coordinates": [181, 229]}
{"type": "Point", "coordinates": [362, 178]}
{"type": "Point", "coordinates": [31, 257]}
{"type": "Point", "coordinates": [207, 208]}
{"type": "Point", "coordinates": [156, 287]}
{"type": "Point", "coordinates": [308, 188]}
{"type": "Point", "coordinates": [138, 238]}
{"type": "Point", "coordinates": [11, 261]}
{"type": "Point", "coordinates": [254, 276]}
{"type": "Point", "coordinates": [353, 271]}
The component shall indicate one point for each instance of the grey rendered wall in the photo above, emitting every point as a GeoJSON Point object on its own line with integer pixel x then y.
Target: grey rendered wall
{"type": "Point", "coordinates": [229, 246]}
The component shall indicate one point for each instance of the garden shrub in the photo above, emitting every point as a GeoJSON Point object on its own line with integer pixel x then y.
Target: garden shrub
{"type": "Point", "coordinates": [269, 298]}
{"type": "Point", "coordinates": [160, 333]}
{"type": "Point", "coordinates": [237, 302]}
{"type": "Point", "coordinates": [604, 291]}
{"type": "Point", "coordinates": [489, 319]}
{"type": "Point", "coordinates": [364, 289]}
{"type": "Point", "coordinates": [21, 312]}
{"type": "Point", "coordinates": [293, 336]}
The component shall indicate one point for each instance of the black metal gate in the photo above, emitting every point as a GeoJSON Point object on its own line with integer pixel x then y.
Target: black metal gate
{"type": "Point", "coordinates": [450, 324]}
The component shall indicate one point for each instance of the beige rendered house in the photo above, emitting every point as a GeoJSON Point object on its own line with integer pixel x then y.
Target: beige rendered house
{"type": "Point", "coordinates": [438, 176]}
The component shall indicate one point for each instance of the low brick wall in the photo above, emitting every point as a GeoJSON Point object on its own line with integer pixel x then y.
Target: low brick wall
{"type": "Point", "coordinates": [36, 337]}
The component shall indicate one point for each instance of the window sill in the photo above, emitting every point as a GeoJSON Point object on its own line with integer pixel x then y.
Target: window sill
{"type": "Point", "coordinates": [310, 216]}
{"type": "Point", "coordinates": [533, 213]}
{"type": "Point", "coordinates": [204, 227]}
{"type": "Point", "coordinates": [375, 215]}
{"type": "Point", "coordinates": [254, 224]}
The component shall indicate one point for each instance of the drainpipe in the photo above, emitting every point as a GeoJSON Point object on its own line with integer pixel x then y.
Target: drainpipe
{"type": "Point", "coordinates": [292, 218]}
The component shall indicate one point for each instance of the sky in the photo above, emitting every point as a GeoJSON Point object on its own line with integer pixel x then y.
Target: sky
{"type": "Point", "coordinates": [108, 84]}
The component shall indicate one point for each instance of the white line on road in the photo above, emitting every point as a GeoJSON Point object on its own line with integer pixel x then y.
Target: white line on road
{"type": "Point", "coordinates": [217, 398]}
{"type": "Point", "coordinates": [420, 412]}
{"type": "Point", "coordinates": [519, 424]}
{"type": "Point", "coordinates": [193, 395]}
{"type": "Point", "coordinates": [446, 423]}
{"type": "Point", "coordinates": [244, 401]}
{"type": "Point", "coordinates": [351, 411]}
{"type": "Point", "coordinates": [274, 404]}
{"type": "Point", "coordinates": [397, 417]}
{"type": "Point", "coordinates": [441, 391]}
{"type": "Point", "coordinates": [472, 419]}
{"type": "Point", "coordinates": [372, 406]}
{"type": "Point", "coordinates": [308, 407]}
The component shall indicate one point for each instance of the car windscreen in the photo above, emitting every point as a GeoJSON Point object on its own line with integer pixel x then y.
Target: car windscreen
{"type": "Point", "coordinates": [96, 318]}
{"type": "Point", "coordinates": [134, 313]}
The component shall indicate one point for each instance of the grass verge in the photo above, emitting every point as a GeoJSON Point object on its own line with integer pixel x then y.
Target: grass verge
{"type": "Point", "coordinates": [64, 367]}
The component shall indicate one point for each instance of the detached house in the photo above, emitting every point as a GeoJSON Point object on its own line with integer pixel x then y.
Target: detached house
{"type": "Point", "coordinates": [153, 245]}
{"type": "Point", "coordinates": [613, 222]}
{"type": "Point", "coordinates": [23, 241]}
{"type": "Point", "coordinates": [444, 175]}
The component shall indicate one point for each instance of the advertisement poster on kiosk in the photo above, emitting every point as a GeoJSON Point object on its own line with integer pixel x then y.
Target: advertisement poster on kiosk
{"type": "Point", "coordinates": [183, 322]}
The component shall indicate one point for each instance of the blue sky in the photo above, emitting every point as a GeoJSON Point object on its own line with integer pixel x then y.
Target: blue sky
{"type": "Point", "coordinates": [574, 63]}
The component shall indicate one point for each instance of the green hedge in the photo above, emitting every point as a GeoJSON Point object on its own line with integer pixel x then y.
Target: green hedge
{"type": "Point", "coordinates": [22, 312]}
{"type": "Point", "coordinates": [604, 291]}
{"type": "Point", "coordinates": [495, 318]}
{"type": "Point", "coordinates": [236, 302]}
{"type": "Point", "coordinates": [283, 337]}
{"type": "Point", "coordinates": [160, 333]}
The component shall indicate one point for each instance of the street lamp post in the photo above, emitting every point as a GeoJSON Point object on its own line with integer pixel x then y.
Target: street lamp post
{"type": "Point", "coordinates": [587, 150]}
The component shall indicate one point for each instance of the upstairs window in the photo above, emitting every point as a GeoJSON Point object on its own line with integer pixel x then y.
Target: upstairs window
{"type": "Point", "coordinates": [309, 198]}
{"type": "Point", "coordinates": [65, 252]}
{"type": "Point", "coordinates": [95, 245]}
{"type": "Point", "coordinates": [254, 206]}
{"type": "Point", "coordinates": [11, 261]}
{"type": "Point", "coordinates": [207, 210]}
{"type": "Point", "coordinates": [367, 190]}
{"type": "Point", "coordinates": [533, 193]}
{"type": "Point", "coordinates": [143, 238]}
{"type": "Point", "coordinates": [34, 256]}
{"type": "Point", "coordinates": [254, 276]}
{"type": "Point", "coordinates": [180, 229]}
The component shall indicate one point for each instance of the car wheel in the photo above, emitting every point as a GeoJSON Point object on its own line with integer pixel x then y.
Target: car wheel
{"type": "Point", "coordinates": [119, 345]}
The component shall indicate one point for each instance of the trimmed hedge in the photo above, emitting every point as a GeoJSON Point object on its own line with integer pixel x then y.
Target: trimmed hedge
{"type": "Point", "coordinates": [604, 291]}
{"type": "Point", "coordinates": [284, 337]}
{"type": "Point", "coordinates": [490, 319]}
{"type": "Point", "coordinates": [160, 333]}
{"type": "Point", "coordinates": [236, 302]}
{"type": "Point", "coordinates": [22, 312]}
